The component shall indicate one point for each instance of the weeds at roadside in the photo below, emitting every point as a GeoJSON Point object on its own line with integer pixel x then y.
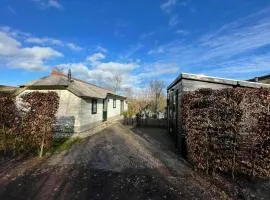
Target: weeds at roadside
{"type": "Point", "coordinates": [63, 144]}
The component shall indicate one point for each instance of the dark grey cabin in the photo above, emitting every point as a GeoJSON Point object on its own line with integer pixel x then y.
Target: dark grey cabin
{"type": "Point", "coordinates": [261, 79]}
{"type": "Point", "coordinates": [191, 82]}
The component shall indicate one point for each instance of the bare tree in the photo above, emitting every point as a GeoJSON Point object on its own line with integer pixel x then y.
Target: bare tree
{"type": "Point", "coordinates": [116, 82]}
{"type": "Point", "coordinates": [156, 88]}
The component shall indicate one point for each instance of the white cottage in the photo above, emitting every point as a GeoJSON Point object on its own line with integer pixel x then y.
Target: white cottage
{"type": "Point", "coordinates": [82, 106]}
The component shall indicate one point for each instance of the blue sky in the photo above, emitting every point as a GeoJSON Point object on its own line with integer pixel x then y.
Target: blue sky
{"type": "Point", "coordinates": [137, 39]}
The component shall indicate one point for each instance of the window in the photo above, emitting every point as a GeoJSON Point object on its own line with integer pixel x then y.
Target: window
{"type": "Point", "coordinates": [94, 106]}
{"type": "Point", "coordinates": [114, 103]}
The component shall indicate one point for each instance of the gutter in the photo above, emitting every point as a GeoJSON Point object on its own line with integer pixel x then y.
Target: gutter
{"type": "Point", "coordinates": [217, 80]}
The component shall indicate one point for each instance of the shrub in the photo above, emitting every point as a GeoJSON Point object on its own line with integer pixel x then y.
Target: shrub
{"type": "Point", "coordinates": [228, 130]}
{"type": "Point", "coordinates": [10, 121]}
{"type": "Point", "coordinates": [28, 126]}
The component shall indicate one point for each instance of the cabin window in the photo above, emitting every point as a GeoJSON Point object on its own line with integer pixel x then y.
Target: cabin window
{"type": "Point", "coordinates": [94, 106]}
{"type": "Point", "coordinates": [114, 103]}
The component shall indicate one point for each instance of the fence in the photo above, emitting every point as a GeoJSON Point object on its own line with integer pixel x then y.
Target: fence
{"type": "Point", "coordinates": [145, 122]}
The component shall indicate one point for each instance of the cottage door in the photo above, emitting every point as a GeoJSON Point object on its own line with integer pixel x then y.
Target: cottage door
{"type": "Point", "coordinates": [105, 106]}
{"type": "Point", "coordinates": [122, 107]}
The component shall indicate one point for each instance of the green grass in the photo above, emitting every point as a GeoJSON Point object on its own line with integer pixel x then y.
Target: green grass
{"type": "Point", "coordinates": [63, 144]}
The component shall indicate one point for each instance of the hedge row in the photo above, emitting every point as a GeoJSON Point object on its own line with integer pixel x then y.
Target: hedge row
{"type": "Point", "coordinates": [27, 124]}
{"type": "Point", "coordinates": [228, 130]}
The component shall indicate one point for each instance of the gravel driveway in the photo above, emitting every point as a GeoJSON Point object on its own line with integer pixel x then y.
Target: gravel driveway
{"type": "Point", "coordinates": [117, 163]}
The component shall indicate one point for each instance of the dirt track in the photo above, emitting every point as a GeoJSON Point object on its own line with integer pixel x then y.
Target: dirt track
{"type": "Point", "coordinates": [117, 163]}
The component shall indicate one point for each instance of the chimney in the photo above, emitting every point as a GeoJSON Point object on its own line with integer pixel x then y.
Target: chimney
{"type": "Point", "coordinates": [69, 75]}
{"type": "Point", "coordinates": [55, 71]}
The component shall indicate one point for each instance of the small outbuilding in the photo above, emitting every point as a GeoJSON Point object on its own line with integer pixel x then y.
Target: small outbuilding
{"type": "Point", "coordinates": [191, 82]}
{"type": "Point", "coordinates": [82, 106]}
{"type": "Point", "coordinates": [261, 79]}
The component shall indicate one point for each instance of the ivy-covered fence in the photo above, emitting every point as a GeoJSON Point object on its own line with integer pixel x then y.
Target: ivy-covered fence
{"type": "Point", "coordinates": [228, 130]}
{"type": "Point", "coordinates": [27, 123]}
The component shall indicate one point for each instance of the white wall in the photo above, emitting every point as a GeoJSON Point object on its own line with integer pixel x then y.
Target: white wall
{"type": "Point", "coordinates": [112, 112]}
{"type": "Point", "coordinates": [74, 113]}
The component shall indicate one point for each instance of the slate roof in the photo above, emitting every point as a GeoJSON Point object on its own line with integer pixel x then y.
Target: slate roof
{"type": "Point", "coordinates": [78, 87]}
{"type": "Point", "coordinates": [51, 80]}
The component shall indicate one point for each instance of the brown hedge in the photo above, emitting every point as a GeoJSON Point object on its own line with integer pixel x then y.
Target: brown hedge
{"type": "Point", "coordinates": [228, 130]}
{"type": "Point", "coordinates": [34, 119]}
{"type": "Point", "coordinates": [9, 121]}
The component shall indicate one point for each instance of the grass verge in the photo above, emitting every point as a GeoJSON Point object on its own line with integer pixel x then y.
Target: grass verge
{"type": "Point", "coordinates": [63, 144]}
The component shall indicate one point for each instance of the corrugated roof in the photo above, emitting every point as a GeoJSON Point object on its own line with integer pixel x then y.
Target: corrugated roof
{"type": "Point", "coordinates": [77, 86]}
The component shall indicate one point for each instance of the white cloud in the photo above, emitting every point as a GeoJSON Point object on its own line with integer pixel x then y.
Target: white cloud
{"type": "Point", "coordinates": [233, 44]}
{"type": "Point", "coordinates": [168, 8]}
{"type": "Point", "coordinates": [134, 75]}
{"type": "Point", "coordinates": [174, 20]}
{"type": "Point", "coordinates": [8, 45]}
{"type": "Point", "coordinates": [146, 35]}
{"type": "Point", "coordinates": [117, 67]}
{"type": "Point", "coordinates": [45, 4]}
{"type": "Point", "coordinates": [14, 55]}
{"type": "Point", "coordinates": [73, 47]}
{"type": "Point", "coordinates": [102, 73]}
{"type": "Point", "coordinates": [11, 10]}
{"type": "Point", "coordinates": [101, 49]}
{"type": "Point", "coordinates": [95, 58]}
{"type": "Point", "coordinates": [239, 68]}
{"type": "Point", "coordinates": [157, 50]}
{"type": "Point", "coordinates": [131, 51]}
{"type": "Point", "coordinates": [55, 4]}
{"type": "Point", "coordinates": [52, 41]}
{"type": "Point", "coordinates": [168, 5]}
{"type": "Point", "coordinates": [43, 41]}
{"type": "Point", "coordinates": [182, 32]}
{"type": "Point", "coordinates": [14, 33]}
{"type": "Point", "coordinates": [160, 69]}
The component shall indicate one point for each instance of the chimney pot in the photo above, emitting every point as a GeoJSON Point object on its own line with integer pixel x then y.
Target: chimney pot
{"type": "Point", "coordinates": [55, 71]}
{"type": "Point", "coordinates": [69, 75]}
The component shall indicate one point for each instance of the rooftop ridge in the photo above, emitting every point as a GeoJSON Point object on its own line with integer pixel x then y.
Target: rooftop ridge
{"type": "Point", "coordinates": [219, 80]}
{"type": "Point", "coordinates": [57, 73]}
{"type": "Point", "coordinates": [259, 77]}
